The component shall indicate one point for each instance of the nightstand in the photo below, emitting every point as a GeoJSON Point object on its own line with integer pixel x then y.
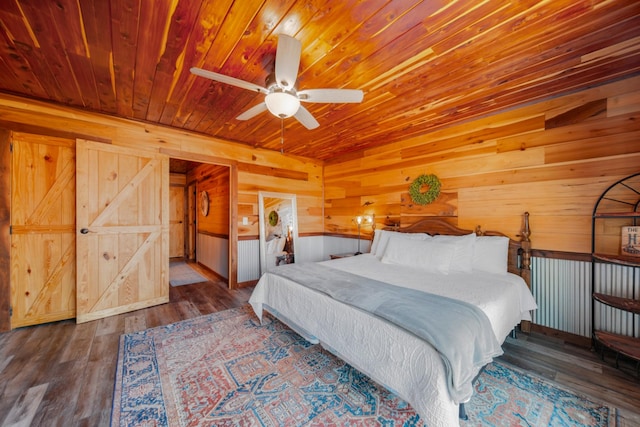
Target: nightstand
{"type": "Point", "coordinates": [345, 255]}
{"type": "Point", "coordinates": [285, 259]}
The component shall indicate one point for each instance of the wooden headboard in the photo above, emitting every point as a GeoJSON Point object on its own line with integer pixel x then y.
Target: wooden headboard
{"type": "Point", "coordinates": [519, 261]}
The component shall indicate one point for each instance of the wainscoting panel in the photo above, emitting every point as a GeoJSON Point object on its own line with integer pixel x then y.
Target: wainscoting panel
{"type": "Point", "coordinates": [562, 289]}
{"type": "Point", "coordinates": [310, 249]}
{"type": "Point", "coordinates": [248, 260]}
{"type": "Point", "coordinates": [213, 252]}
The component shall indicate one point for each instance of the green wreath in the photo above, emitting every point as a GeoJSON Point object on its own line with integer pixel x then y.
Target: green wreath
{"type": "Point", "coordinates": [273, 218]}
{"type": "Point", "coordinates": [428, 196]}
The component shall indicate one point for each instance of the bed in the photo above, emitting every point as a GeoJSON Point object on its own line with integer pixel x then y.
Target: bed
{"type": "Point", "coordinates": [431, 262]}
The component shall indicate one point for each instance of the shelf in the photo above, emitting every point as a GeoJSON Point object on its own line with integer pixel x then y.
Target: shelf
{"type": "Point", "coordinates": [631, 261]}
{"type": "Point", "coordinates": [618, 215]}
{"type": "Point", "coordinates": [626, 304]}
{"type": "Point", "coordinates": [629, 346]}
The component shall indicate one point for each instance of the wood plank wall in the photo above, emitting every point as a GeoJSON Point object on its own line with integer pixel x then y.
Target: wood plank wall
{"type": "Point", "coordinates": [552, 158]}
{"type": "Point", "coordinates": [257, 169]}
{"type": "Point", "coordinates": [214, 179]}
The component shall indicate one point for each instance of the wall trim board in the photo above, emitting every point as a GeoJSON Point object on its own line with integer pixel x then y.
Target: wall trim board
{"type": "Point", "coordinates": [565, 336]}
{"type": "Point", "coordinates": [201, 158]}
{"type": "Point", "coordinates": [247, 284]}
{"type": "Point", "coordinates": [273, 171]}
{"type": "Point", "coordinates": [213, 273]}
{"type": "Point", "coordinates": [569, 256]}
{"type": "Point", "coordinates": [41, 130]}
{"type": "Point", "coordinates": [209, 233]}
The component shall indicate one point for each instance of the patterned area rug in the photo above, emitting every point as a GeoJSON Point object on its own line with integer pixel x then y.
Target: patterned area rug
{"type": "Point", "coordinates": [225, 369]}
{"type": "Point", "coordinates": [181, 273]}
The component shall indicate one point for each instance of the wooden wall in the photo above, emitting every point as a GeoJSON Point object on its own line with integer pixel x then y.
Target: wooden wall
{"type": "Point", "coordinates": [552, 158]}
{"type": "Point", "coordinates": [257, 169]}
{"type": "Point", "coordinates": [214, 179]}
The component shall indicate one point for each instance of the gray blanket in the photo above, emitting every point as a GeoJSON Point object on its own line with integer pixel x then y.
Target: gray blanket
{"type": "Point", "coordinates": [459, 331]}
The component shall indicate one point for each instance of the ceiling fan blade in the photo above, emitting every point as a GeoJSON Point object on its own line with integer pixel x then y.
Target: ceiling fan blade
{"type": "Point", "coordinates": [287, 60]}
{"type": "Point", "coordinates": [304, 116]}
{"type": "Point", "coordinates": [253, 111]}
{"type": "Point", "coordinates": [331, 95]}
{"type": "Point", "coordinates": [228, 80]}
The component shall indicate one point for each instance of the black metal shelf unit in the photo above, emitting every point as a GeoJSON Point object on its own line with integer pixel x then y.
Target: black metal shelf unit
{"type": "Point", "coordinates": [617, 208]}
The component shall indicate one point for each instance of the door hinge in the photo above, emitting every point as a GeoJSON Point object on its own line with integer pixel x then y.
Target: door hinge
{"type": "Point", "coordinates": [10, 311]}
{"type": "Point", "coordinates": [11, 229]}
{"type": "Point", "coordinates": [11, 147]}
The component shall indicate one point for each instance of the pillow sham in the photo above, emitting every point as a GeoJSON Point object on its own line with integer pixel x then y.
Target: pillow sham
{"type": "Point", "coordinates": [463, 255]}
{"type": "Point", "coordinates": [490, 254]}
{"type": "Point", "coordinates": [386, 235]}
{"type": "Point", "coordinates": [428, 255]}
{"type": "Point", "coordinates": [376, 240]}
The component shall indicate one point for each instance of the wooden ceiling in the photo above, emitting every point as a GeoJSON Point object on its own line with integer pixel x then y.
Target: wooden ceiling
{"type": "Point", "coordinates": [421, 64]}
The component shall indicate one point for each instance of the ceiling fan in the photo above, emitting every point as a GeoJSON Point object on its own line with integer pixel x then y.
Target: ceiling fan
{"type": "Point", "coordinates": [282, 98]}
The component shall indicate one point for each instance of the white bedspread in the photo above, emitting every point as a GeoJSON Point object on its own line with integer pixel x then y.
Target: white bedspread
{"type": "Point", "coordinates": [393, 357]}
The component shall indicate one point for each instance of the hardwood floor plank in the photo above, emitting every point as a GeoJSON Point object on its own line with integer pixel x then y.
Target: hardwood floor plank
{"type": "Point", "coordinates": [80, 343]}
{"type": "Point", "coordinates": [4, 362]}
{"type": "Point", "coordinates": [135, 322]}
{"type": "Point", "coordinates": [23, 411]}
{"type": "Point", "coordinates": [622, 398]}
{"type": "Point", "coordinates": [62, 395]}
{"type": "Point", "coordinates": [96, 392]}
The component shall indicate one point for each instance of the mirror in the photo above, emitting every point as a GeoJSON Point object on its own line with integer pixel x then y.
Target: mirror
{"type": "Point", "coordinates": [278, 229]}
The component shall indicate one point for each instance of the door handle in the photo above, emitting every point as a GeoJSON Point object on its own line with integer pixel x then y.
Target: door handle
{"type": "Point", "coordinates": [84, 230]}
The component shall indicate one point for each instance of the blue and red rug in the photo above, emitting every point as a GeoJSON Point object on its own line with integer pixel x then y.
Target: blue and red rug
{"type": "Point", "coordinates": [226, 369]}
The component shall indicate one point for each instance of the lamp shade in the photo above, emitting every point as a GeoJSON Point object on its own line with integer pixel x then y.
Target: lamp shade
{"type": "Point", "coordinates": [282, 104]}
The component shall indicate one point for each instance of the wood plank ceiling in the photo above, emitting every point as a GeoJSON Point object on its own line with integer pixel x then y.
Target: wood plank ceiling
{"type": "Point", "coordinates": [421, 64]}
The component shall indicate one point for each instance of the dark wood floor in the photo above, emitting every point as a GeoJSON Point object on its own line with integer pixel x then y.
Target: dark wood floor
{"type": "Point", "coordinates": [62, 374]}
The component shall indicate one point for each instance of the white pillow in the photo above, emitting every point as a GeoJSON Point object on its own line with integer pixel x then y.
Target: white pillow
{"type": "Point", "coordinates": [490, 254]}
{"type": "Point", "coordinates": [428, 255]}
{"type": "Point", "coordinates": [376, 240]}
{"type": "Point", "coordinates": [275, 245]}
{"type": "Point", "coordinates": [386, 235]}
{"type": "Point", "coordinates": [463, 255]}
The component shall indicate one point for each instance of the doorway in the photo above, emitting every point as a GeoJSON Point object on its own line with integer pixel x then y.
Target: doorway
{"type": "Point", "coordinates": [205, 235]}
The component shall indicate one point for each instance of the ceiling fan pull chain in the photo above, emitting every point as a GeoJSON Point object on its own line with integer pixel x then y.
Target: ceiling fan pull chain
{"type": "Point", "coordinates": [281, 136]}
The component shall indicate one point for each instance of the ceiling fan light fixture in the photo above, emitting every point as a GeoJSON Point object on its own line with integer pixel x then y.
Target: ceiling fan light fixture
{"type": "Point", "coordinates": [282, 104]}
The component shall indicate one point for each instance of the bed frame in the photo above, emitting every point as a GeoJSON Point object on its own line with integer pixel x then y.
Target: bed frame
{"type": "Point", "coordinates": [519, 261]}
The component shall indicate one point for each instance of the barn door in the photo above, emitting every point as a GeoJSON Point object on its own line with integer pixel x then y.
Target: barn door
{"type": "Point", "coordinates": [43, 277]}
{"type": "Point", "coordinates": [122, 230]}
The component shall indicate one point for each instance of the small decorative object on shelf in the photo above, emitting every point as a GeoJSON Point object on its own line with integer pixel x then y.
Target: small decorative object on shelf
{"type": "Point", "coordinates": [285, 259]}
{"type": "Point", "coordinates": [618, 208]}
{"type": "Point", "coordinates": [630, 241]}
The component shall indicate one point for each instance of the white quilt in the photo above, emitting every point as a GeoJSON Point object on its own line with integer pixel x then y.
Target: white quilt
{"type": "Point", "coordinates": [399, 360]}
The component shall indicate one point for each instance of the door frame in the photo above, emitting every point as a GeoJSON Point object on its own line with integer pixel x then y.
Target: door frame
{"type": "Point", "coordinates": [233, 207]}
{"type": "Point", "coordinates": [5, 226]}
